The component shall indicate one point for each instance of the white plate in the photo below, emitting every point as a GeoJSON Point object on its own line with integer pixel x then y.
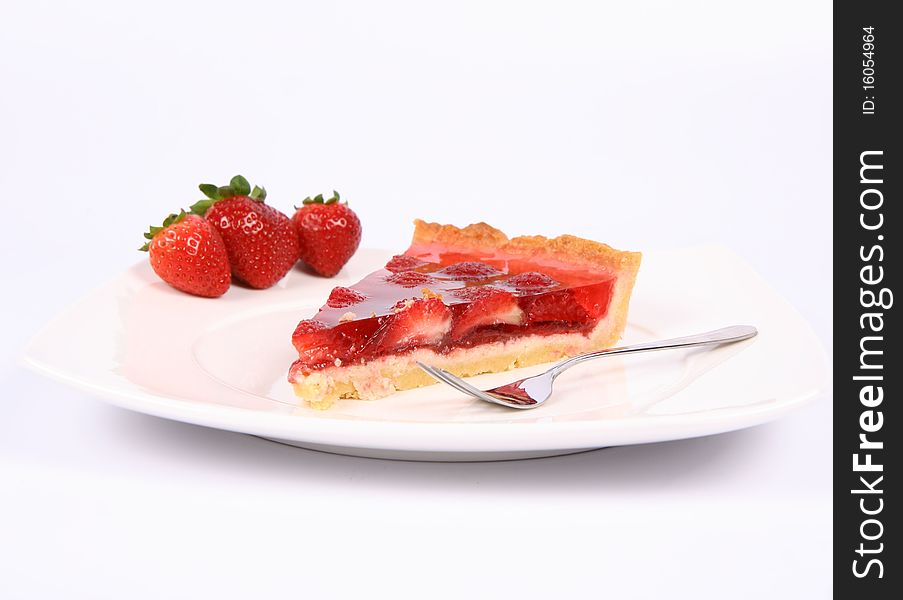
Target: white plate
{"type": "Point", "coordinates": [222, 363]}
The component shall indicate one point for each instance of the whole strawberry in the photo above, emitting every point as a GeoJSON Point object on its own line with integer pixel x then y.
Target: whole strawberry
{"type": "Point", "coordinates": [261, 241]}
{"type": "Point", "coordinates": [329, 232]}
{"type": "Point", "coordinates": [188, 253]}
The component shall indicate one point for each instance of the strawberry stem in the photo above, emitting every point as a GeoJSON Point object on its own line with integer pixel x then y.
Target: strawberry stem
{"type": "Point", "coordinates": [171, 219]}
{"type": "Point", "coordinates": [258, 193]}
{"type": "Point", "coordinates": [238, 186]}
{"type": "Point", "coordinates": [318, 199]}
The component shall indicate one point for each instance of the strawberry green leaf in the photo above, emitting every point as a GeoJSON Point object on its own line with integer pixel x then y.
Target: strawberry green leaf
{"type": "Point", "coordinates": [201, 207]}
{"type": "Point", "coordinates": [240, 186]}
{"type": "Point", "coordinates": [259, 193]}
{"type": "Point", "coordinates": [209, 190]}
{"type": "Point", "coordinates": [318, 199]}
{"type": "Point", "coordinates": [171, 219]}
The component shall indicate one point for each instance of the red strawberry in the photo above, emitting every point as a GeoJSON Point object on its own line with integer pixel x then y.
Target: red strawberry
{"type": "Point", "coordinates": [488, 307]}
{"type": "Point", "coordinates": [531, 281]}
{"type": "Point", "coordinates": [554, 306]}
{"type": "Point", "coordinates": [317, 344]}
{"type": "Point", "coordinates": [260, 240]}
{"type": "Point", "coordinates": [410, 279]}
{"type": "Point", "coordinates": [188, 253]}
{"type": "Point", "coordinates": [402, 262]}
{"type": "Point", "coordinates": [594, 299]}
{"type": "Point", "coordinates": [469, 271]}
{"type": "Point", "coordinates": [342, 297]}
{"type": "Point", "coordinates": [329, 232]}
{"type": "Point", "coordinates": [420, 321]}
{"type": "Point", "coordinates": [473, 293]}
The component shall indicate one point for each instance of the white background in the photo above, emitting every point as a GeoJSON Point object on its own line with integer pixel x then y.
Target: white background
{"type": "Point", "coordinates": [648, 126]}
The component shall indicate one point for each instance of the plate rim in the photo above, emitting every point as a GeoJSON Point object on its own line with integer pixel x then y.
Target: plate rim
{"type": "Point", "coordinates": [249, 421]}
{"type": "Point", "coordinates": [417, 436]}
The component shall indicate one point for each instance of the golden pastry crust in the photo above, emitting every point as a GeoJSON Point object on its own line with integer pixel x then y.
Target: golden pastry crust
{"type": "Point", "coordinates": [568, 249]}
{"type": "Point", "coordinates": [478, 236]}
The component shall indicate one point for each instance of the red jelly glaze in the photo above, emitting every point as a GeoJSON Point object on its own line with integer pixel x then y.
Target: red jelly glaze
{"type": "Point", "coordinates": [403, 262]}
{"type": "Point", "coordinates": [471, 270]}
{"type": "Point", "coordinates": [531, 281]}
{"type": "Point", "coordinates": [410, 279]}
{"type": "Point", "coordinates": [397, 309]}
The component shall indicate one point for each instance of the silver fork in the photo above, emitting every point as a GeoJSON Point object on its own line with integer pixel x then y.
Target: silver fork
{"type": "Point", "coordinates": [533, 391]}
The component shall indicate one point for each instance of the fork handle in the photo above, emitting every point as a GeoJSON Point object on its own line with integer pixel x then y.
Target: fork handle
{"type": "Point", "coordinates": [725, 335]}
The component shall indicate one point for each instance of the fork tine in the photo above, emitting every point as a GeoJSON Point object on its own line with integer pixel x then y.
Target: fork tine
{"type": "Point", "coordinates": [445, 377]}
{"type": "Point", "coordinates": [473, 391]}
{"type": "Point", "coordinates": [452, 381]}
{"type": "Point", "coordinates": [430, 371]}
{"type": "Point", "coordinates": [435, 374]}
{"type": "Point", "coordinates": [464, 387]}
{"type": "Point", "coordinates": [459, 382]}
{"type": "Point", "coordinates": [458, 387]}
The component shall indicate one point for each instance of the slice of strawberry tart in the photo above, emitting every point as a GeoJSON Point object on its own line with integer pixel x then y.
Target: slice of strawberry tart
{"type": "Point", "coordinates": [467, 300]}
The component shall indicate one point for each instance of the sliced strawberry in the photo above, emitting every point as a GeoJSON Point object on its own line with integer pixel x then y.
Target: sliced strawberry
{"type": "Point", "coordinates": [531, 281]}
{"type": "Point", "coordinates": [559, 306]}
{"type": "Point", "coordinates": [309, 326]}
{"type": "Point", "coordinates": [313, 340]}
{"type": "Point", "coordinates": [342, 297]}
{"type": "Point", "coordinates": [474, 292]}
{"type": "Point", "coordinates": [419, 322]}
{"type": "Point", "coordinates": [451, 258]}
{"type": "Point", "coordinates": [409, 279]}
{"type": "Point", "coordinates": [469, 271]}
{"type": "Point", "coordinates": [594, 299]}
{"type": "Point", "coordinates": [493, 307]}
{"type": "Point", "coordinates": [403, 262]}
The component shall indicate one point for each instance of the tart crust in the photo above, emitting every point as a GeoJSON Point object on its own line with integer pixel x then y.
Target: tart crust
{"type": "Point", "coordinates": [568, 249]}
{"type": "Point", "coordinates": [386, 375]}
